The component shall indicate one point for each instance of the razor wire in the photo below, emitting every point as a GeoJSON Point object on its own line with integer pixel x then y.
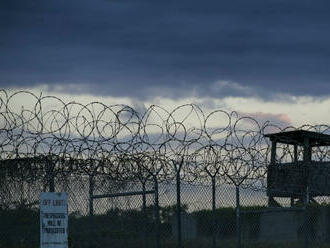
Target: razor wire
{"type": "Point", "coordinates": [45, 136]}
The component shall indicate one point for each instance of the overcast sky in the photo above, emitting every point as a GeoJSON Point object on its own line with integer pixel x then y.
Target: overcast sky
{"type": "Point", "coordinates": [269, 58]}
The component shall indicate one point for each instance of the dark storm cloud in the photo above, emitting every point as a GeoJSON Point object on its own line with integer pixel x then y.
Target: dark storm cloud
{"type": "Point", "coordinates": [170, 48]}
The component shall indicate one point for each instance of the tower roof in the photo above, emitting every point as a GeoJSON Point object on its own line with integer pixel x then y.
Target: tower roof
{"type": "Point", "coordinates": [297, 137]}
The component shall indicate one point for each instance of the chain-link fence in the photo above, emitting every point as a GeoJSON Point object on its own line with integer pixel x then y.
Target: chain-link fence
{"type": "Point", "coordinates": [179, 178]}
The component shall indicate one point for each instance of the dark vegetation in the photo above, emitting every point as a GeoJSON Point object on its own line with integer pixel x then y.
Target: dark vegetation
{"type": "Point", "coordinates": [20, 227]}
{"type": "Point", "coordinates": [127, 228]}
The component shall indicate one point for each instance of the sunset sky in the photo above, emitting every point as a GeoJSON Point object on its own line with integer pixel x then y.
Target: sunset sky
{"type": "Point", "coordinates": [268, 59]}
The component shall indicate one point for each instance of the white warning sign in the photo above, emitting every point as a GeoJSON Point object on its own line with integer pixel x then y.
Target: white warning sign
{"type": "Point", "coordinates": [53, 220]}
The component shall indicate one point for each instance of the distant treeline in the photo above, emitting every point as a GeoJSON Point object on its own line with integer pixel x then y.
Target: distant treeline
{"type": "Point", "coordinates": [130, 228]}
{"type": "Point", "coordinates": [20, 227]}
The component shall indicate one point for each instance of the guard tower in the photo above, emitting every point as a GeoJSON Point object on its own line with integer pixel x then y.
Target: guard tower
{"type": "Point", "coordinates": [302, 178]}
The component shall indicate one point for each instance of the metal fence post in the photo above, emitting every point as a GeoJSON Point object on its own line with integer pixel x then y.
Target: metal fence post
{"type": "Point", "coordinates": [238, 221]}
{"type": "Point", "coordinates": [91, 203]}
{"type": "Point", "coordinates": [214, 231]}
{"type": "Point", "coordinates": [91, 193]}
{"type": "Point", "coordinates": [50, 175]}
{"type": "Point", "coordinates": [157, 217]}
{"type": "Point", "coordinates": [178, 208]}
{"type": "Point", "coordinates": [144, 215]}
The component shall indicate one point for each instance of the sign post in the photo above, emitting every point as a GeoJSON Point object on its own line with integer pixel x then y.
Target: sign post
{"type": "Point", "coordinates": [53, 220]}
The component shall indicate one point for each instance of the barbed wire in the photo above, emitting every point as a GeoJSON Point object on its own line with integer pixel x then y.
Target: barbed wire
{"type": "Point", "coordinates": [44, 134]}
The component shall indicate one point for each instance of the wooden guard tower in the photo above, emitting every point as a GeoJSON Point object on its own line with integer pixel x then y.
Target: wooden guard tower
{"type": "Point", "coordinates": [302, 178]}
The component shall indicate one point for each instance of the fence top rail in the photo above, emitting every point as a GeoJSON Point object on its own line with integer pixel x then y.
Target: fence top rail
{"type": "Point", "coordinates": [123, 194]}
